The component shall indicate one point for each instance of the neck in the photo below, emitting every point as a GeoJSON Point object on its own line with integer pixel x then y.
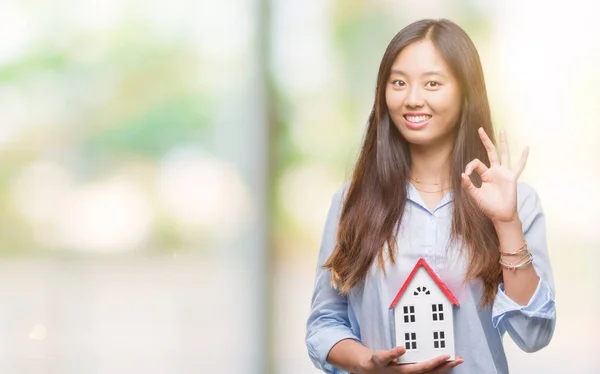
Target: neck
{"type": "Point", "coordinates": [431, 164]}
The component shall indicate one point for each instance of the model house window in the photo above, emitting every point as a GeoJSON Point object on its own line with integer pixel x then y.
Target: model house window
{"type": "Point", "coordinates": [439, 340]}
{"type": "Point", "coordinates": [438, 312]}
{"type": "Point", "coordinates": [409, 313]}
{"type": "Point", "coordinates": [421, 290]}
{"type": "Point", "coordinates": [410, 340]}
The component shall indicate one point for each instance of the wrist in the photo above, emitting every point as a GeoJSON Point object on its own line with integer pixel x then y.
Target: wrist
{"type": "Point", "coordinates": [510, 235]}
{"type": "Point", "coordinates": [512, 224]}
{"type": "Point", "coordinates": [365, 362]}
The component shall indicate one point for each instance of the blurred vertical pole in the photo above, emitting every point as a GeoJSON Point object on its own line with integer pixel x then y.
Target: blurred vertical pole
{"type": "Point", "coordinates": [242, 135]}
{"type": "Point", "coordinates": [265, 148]}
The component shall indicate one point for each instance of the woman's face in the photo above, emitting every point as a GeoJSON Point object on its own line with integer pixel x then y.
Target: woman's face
{"type": "Point", "coordinates": [423, 96]}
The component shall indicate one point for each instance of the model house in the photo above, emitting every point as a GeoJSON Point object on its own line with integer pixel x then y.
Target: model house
{"type": "Point", "coordinates": [422, 316]}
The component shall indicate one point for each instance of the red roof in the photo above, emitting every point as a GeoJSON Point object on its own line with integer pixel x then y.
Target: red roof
{"type": "Point", "coordinates": [435, 278]}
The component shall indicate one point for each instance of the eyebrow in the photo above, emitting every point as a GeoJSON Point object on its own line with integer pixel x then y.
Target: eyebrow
{"type": "Point", "coordinates": [427, 73]}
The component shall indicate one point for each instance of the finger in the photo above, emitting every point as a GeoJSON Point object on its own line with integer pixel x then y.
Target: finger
{"type": "Point", "coordinates": [476, 165]}
{"type": "Point", "coordinates": [489, 147]}
{"type": "Point", "coordinates": [504, 149]}
{"type": "Point", "coordinates": [468, 184]}
{"type": "Point", "coordinates": [522, 162]}
{"type": "Point", "coordinates": [384, 358]}
{"type": "Point", "coordinates": [425, 366]}
{"type": "Point", "coordinates": [449, 365]}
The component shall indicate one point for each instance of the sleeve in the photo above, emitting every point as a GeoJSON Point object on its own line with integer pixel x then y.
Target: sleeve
{"type": "Point", "coordinates": [531, 326]}
{"type": "Point", "coordinates": [328, 322]}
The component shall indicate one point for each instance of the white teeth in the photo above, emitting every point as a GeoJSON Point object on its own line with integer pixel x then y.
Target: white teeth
{"type": "Point", "coordinates": [417, 119]}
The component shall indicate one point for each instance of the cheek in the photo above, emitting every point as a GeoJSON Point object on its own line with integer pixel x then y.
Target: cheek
{"type": "Point", "coordinates": [393, 99]}
{"type": "Point", "coordinates": [389, 98]}
{"type": "Point", "coordinates": [447, 105]}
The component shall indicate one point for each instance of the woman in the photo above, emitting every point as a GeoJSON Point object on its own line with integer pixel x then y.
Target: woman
{"type": "Point", "coordinates": [429, 183]}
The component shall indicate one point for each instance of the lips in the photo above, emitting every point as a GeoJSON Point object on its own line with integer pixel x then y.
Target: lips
{"type": "Point", "coordinates": [416, 121]}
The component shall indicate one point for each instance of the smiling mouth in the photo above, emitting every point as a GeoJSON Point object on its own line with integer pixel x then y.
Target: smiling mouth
{"type": "Point", "coordinates": [417, 119]}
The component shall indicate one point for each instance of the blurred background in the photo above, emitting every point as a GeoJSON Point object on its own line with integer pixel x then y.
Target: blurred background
{"type": "Point", "coordinates": [166, 168]}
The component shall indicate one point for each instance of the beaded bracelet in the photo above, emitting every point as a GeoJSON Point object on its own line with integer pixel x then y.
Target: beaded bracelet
{"type": "Point", "coordinates": [512, 267]}
{"type": "Point", "coordinates": [517, 252]}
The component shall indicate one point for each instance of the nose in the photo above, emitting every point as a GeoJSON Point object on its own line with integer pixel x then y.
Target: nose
{"type": "Point", "coordinates": [414, 98]}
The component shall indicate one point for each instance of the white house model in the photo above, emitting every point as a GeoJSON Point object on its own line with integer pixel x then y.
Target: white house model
{"type": "Point", "coordinates": [422, 316]}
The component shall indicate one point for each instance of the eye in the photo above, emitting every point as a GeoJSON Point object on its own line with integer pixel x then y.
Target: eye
{"type": "Point", "coordinates": [433, 84]}
{"type": "Point", "coordinates": [398, 83]}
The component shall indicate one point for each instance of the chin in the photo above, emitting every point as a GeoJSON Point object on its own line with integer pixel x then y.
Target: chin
{"type": "Point", "coordinates": [422, 138]}
{"type": "Point", "coordinates": [421, 142]}
{"type": "Point", "coordinates": [426, 137]}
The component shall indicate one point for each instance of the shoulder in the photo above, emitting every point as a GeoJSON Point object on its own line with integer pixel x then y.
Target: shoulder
{"type": "Point", "coordinates": [340, 195]}
{"type": "Point", "coordinates": [527, 196]}
{"type": "Point", "coordinates": [529, 205]}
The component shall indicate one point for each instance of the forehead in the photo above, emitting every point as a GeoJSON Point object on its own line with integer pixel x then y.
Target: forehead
{"type": "Point", "coordinates": [419, 57]}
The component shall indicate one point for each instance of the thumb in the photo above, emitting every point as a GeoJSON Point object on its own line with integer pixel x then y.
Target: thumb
{"type": "Point", "coordinates": [384, 358]}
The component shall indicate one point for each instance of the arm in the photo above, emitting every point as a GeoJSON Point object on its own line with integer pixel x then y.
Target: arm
{"type": "Point", "coordinates": [517, 214]}
{"type": "Point", "coordinates": [328, 323]}
{"type": "Point", "coordinates": [350, 355]}
{"type": "Point", "coordinates": [524, 305]}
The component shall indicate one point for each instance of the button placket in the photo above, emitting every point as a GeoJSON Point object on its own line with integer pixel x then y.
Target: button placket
{"type": "Point", "coordinates": [432, 239]}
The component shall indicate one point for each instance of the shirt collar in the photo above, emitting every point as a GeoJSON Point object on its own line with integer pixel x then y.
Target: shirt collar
{"type": "Point", "coordinates": [414, 196]}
